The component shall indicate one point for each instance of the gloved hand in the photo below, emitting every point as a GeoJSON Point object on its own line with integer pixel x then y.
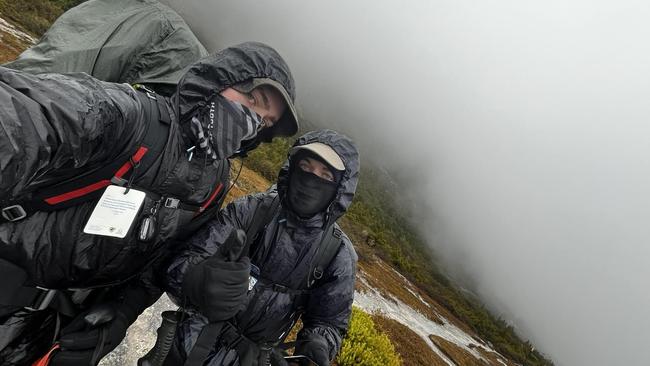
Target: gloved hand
{"type": "Point", "coordinates": [94, 333]}
{"type": "Point", "coordinates": [314, 349]}
{"type": "Point", "coordinates": [218, 285]}
{"type": "Point", "coordinates": [277, 357]}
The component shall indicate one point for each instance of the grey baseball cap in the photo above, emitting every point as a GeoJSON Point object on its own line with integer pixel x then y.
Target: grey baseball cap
{"type": "Point", "coordinates": [287, 125]}
{"type": "Point", "coordinates": [325, 152]}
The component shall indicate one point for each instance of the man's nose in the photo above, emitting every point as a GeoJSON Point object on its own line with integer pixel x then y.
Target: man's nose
{"type": "Point", "coordinates": [269, 120]}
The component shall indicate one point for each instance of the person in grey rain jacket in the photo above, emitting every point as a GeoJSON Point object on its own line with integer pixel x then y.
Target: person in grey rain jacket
{"type": "Point", "coordinates": [121, 41]}
{"type": "Point", "coordinates": [65, 140]}
{"type": "Point", "coordinates": [315, 187]}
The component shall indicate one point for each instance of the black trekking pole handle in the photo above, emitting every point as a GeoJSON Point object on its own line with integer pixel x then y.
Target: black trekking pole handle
{"type": "Point", "coordinates": [165, 338]}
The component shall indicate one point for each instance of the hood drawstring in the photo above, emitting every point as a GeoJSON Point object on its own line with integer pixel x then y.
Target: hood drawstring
{"type": "Point", "coordinates": [203, 141]}
{"type": "Point", "coordinates": [191, 152]}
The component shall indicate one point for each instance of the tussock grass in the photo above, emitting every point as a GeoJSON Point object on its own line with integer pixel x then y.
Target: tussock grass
{"type": "Point", "coordinates": [413, 350]}
{"type": "Point", "coordinates": [11, 47]}
{"type": "Point", "coordinates": [389, 284]}
{"type": "Point", "coordinates": [460, 356]}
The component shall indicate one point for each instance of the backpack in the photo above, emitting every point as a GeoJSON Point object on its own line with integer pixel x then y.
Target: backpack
{"type": "Point", "coordinates": [90, 185]}
{"type": "Point", "coordinates": [327, 248]}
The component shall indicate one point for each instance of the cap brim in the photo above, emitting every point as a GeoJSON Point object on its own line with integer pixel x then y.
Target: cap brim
{"type": "Point", "coordinates": [287, 124]}
{"type": "Point", "coordinates": [324, 152]}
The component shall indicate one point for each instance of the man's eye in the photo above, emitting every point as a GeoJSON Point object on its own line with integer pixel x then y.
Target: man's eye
{"type": "Point", "coordinates": [251, 99]}
{"type": "Point", "coordinates": [265, 100]}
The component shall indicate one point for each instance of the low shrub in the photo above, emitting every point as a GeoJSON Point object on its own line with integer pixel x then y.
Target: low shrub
{"type": "Point", "coordinates": [365, 345]}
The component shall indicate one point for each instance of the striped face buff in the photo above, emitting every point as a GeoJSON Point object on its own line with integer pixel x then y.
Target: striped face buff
{"type": "Point", "coordinates": [220, 130]}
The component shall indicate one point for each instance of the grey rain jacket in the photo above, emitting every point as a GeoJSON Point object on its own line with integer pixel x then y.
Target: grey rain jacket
{"type": "Point", "coordinates": [290, 243]}
{"type": "Point", "coordinates": [54, 127]}
{"type": "Point", "coordinates": [132, 41]}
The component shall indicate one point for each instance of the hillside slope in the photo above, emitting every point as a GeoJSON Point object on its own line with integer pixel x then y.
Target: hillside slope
{"type": "Point", "coordinates": [428, 319]}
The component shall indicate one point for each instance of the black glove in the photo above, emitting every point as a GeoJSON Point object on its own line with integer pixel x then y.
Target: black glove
{"type": "Point", "coordinates": [94, 333]}
{"type": "Point", "coordinates": [218, 285]}
{"type": "Point", "coordinates": [277, 357]}
{"type": "Point", "coordinates": [314, 349]}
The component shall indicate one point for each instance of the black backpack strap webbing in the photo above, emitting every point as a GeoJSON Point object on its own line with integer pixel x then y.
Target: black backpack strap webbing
{"type": "Point", "coordinates": [264, 213]}
{"type": "Point", "coordinates": [329, 246]}
{"type": "Point", "coordinates": [17, 292]}
{"type": "Point", "coordinates": [204, 344]}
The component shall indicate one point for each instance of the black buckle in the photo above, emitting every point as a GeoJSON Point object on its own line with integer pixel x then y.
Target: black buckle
{"type": "Point", "coordinates": [279, 288]}
{"type": "Point", "coordinates": [119, 181]}
{"type": "Point", "coordinates": [318, 273]}
{"type": "Point", "coordinates": [43, 299]}
{"type": "Point", "coordinates": [14, 213]}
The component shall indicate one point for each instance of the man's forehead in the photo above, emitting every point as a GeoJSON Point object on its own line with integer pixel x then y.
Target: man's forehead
{"type": "Point", "coordinates": [272, 92]}
{"type": "Point", "coordinates": [315, 160]}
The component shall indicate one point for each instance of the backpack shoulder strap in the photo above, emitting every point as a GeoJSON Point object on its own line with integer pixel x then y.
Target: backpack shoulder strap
{"type": "Point", "coordinates": [328, 247]}
{"type": "Point", "coordinates": [262, 216]}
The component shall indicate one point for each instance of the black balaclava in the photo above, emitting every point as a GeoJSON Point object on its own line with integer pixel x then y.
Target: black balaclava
{"type": "Point", "coordinates": [307, 193]}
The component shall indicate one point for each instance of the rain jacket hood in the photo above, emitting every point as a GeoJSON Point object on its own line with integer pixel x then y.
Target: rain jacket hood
{"type": "Point", "coordinates": [348, 184]}
{"type": "Point", "coordinates": [207, 77]}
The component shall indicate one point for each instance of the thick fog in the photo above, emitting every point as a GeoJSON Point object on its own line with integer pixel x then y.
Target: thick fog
{"type": "Point", "coordinates": [523, 128]}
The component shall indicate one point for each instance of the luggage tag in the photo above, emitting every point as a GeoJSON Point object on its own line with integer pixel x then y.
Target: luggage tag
{"type": "Point", "coordinates": [252, 279]}
{"type": "Point", "coordinates": [115, 212]}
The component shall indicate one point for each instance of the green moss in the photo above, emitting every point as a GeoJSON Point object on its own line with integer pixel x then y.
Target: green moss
{"type": "Point", "coordinates": [365, 345]}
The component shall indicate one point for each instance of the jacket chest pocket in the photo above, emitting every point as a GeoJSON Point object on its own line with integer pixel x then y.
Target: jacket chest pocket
{"type": "Point", "coordinates": [192, 180]}
{"type": "Point", "coordinates": [161, 221]}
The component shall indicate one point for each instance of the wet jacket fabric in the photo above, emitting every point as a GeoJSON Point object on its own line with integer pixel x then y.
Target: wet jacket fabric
{"type": "Point", "coordinates": [132, 41]}
{"type": "Point", "coordinates": [55, 127]}
{"type": "Point", "coordinates": [283, 252]}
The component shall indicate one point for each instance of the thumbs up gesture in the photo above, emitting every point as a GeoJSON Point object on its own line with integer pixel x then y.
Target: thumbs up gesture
{"type": "Point", "coordinates": [218, 285]}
